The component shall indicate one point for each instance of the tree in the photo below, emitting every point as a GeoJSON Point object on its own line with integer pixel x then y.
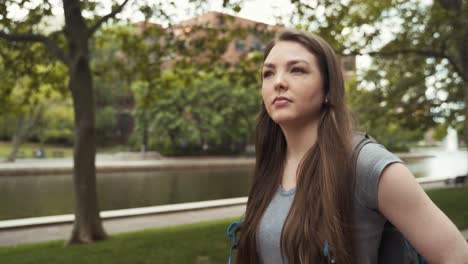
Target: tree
{"type": "Point", "coordinates": [395, 90]}
{"type": "Point", "coordinates": [142, 47]}
{"type": "Point", "coordinates": [435, 32]}
{"type": "Point", "coordinates": [37, 80]}
{"type": "Point", "coordinates": [196, 111]}
{"type": "Point", "coordinates": [114, 100]}
{"type": "Point", "coordinates": [70, 45]}
{"type": "Point", "coordinates": [147, 50]}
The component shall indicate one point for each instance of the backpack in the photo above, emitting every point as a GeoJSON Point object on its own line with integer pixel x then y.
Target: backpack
{"type": "Point", "coordinates": [393, 248]}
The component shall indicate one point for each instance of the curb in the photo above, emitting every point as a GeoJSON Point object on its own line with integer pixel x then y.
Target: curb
{"type": "Point", "coordinates": [162, 209]}
{"type": "Point", "coordinates": [18, 169]}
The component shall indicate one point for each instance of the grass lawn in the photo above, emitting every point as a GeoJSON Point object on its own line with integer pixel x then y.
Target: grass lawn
{"type": "Point", "coordinates": [454, 203]}
{"type": "Point", "coordinates": [27, 150]}
{"type": "Point", "coordinates": [200, 243]}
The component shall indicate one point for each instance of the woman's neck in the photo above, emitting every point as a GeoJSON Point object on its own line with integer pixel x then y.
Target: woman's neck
{"type": "Point", "coordinates": [299, 138]}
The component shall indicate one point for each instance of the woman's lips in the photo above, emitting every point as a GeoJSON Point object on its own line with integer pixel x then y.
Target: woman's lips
{"type": "Point", "coordinates": [281, 100]}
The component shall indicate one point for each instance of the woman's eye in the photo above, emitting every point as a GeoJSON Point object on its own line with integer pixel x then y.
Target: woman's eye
{"type": "Point", "coordinates": [267, 74]}
{"type": "Point", "coordinates": [297, 70]}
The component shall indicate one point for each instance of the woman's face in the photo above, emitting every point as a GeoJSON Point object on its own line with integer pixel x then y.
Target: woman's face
{"type": "Point", "coordinates": [292, 87]}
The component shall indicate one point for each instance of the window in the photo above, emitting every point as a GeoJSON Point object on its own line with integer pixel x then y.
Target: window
{"type": "Point", "coordinates": [240, 45]}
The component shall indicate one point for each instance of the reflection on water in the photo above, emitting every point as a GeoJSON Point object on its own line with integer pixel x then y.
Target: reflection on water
{"type": "Point", "coordinates": [441, 164]}
{"type": "Point", "coordinates": [30, 196]}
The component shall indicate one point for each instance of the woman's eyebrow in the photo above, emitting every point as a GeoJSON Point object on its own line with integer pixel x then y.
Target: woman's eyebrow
{"type": "Point", "coordinates": [289, 63]}
{"type": "Point", "coordinates": [269, 65]}
{"type": "Point", "coordinates": [292, 62]}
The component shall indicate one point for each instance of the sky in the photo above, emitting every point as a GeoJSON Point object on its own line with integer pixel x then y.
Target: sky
{"type": "Point", "coordinates": [258, 10]}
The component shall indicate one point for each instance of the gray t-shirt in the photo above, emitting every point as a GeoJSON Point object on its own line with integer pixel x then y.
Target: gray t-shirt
{"type": "Point", "coordinates": [368, 222]}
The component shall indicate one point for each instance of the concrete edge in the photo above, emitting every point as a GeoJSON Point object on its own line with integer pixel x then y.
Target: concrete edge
{"type": "Point", "coordinates": [427, 180]}
{"type": "Point", "coordinates": [119, 167]}
{"type": "Point", "coordinates": [162, 209]}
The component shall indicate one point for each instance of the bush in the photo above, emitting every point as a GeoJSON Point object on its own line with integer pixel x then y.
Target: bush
{"type": "Point", "coordinates": [57, 125]}
{"type": "Point", "coordinates": [105, 125]}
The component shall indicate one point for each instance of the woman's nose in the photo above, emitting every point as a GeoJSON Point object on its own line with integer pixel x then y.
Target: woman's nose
{"type": "Point", "coordinates": [280, 82]}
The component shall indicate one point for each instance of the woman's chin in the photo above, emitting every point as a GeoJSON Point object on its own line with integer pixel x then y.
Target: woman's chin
{"type": "Point", "coordinates": [283, 119]}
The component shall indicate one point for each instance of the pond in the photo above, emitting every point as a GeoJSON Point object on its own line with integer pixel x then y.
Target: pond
{"type": "Point", "coordinates": [32, 196]}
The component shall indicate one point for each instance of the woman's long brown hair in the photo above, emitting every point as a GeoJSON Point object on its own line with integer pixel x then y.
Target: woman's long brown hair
{"type": "Point", "coordinates": [321, 210]}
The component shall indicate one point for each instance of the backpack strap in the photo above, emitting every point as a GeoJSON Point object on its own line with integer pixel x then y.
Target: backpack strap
{"type": "Point", "coordinates": [232, 230]}
{"type": "Point", "coordinates": [360, 139]}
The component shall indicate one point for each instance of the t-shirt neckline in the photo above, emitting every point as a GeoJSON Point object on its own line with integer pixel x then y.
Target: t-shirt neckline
{"type": "Point", "coordinates": [284, 192]}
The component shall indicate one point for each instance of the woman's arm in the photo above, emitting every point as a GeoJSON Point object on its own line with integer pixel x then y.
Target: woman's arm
{"type": "Point", "coordinates": [404, 203]}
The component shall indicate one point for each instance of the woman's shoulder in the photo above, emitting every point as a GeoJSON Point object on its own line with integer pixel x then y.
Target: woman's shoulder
{"type": "Point", "coordinates": [371, 162]}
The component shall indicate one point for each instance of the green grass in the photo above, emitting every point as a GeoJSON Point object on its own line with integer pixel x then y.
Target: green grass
{"type": "Point", "coordinates": [27, 150]}
{"type": "Point", "coordinates": [201, 243]}
{"type": "Point", "coordinates": [454, 203]}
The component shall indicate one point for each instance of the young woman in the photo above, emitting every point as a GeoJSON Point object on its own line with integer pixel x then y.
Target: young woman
{"type": "Point", "coordinates": [305, 194]}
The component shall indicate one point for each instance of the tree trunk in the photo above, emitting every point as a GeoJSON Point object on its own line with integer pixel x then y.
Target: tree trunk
{"type": "Point", "coordinates": [87, 226]}
{"type": "Point", "coordinates": [465, 123]}
{"type": "Point", "coordinates": [144, 136]}
{"type": "Point", "coordinates": [25, 124]}
{"type": "Point", "coordinates": [463, 52]}
{"type": "Point", "coordinates": [17, 140]}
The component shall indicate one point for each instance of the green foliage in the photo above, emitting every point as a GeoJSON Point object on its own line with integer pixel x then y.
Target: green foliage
{"type": "Point", "coordinates": [417, 50]}
{"type": "Point", "coordinates": [440, 132]}
{"type": "Point", "coordinates": [105, 124]}
{"type": "Point", "coordinates": [31, 82]}
{"type": "Point", "coordinates": [7, 130]}
{"type": "Point", "coordinates": [57, 124]}
{"type": "Point", "coordinates": [181, 110]}
{"type": "Point", "coordinates": [198, 112]}
{"type": "Point", "coordinates": [390, 102]}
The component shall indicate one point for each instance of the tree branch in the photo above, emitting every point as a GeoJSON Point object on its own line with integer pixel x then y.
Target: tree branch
{"type": "Point", "coordinates": [424, 53]}
{"type": "Point", "coordinates": [451, 5]}
{"type": "Point", "coordinates": [49, 42]}
{"type": "Point", "coordinates": [22, 37]}
{"type": "Point", "coordinates": [103, 19]}
{"type": "Point", "coordinates": [56, 50]}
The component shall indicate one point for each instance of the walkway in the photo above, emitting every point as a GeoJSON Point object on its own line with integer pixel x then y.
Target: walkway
{"type": "Point", "coordinates": [120, 162]}
{"type": "Point", "coordinates": [11, 237]}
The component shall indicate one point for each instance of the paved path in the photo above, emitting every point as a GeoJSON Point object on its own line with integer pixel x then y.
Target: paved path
{"type": "Point", "coordinates": [13, 237]}
{"type": "Point", "coordinates": [110, 163]}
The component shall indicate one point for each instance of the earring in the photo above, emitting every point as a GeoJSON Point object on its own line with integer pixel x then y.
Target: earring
{"type": "Point", "coordinates": [326, 100]}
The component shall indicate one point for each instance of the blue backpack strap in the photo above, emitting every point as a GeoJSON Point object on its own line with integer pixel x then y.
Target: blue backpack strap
{"type": "Point", "coordinates": [325, 248]}
{"type": "Point", "coordinates": [410, 248]}
{"type": "Point", "coordinates": [327, 252]}
{"type": "Point", "coordinates": [231, 233]}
